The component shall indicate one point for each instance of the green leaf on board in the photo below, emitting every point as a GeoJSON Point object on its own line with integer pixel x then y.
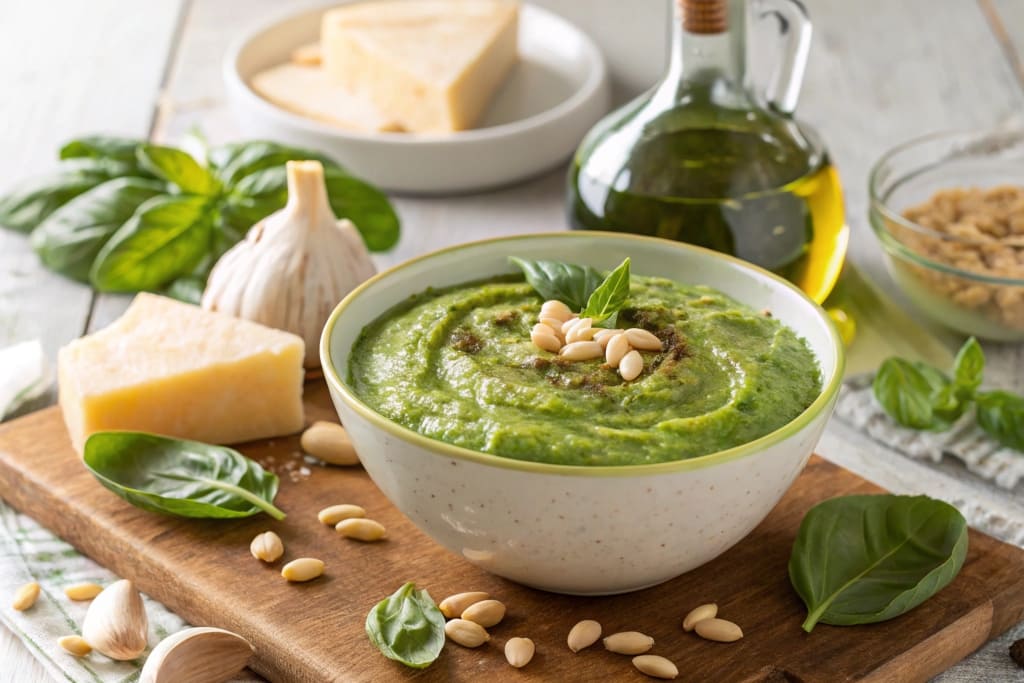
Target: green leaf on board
{"type": "Point", "coordinates": [407, 627]}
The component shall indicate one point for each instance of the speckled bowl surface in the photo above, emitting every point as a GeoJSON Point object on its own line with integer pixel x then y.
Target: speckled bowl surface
{"type": "Point", "coordinates": [574, 529]}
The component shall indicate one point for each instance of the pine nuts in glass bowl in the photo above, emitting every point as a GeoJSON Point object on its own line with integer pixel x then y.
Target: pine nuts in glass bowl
{"type": "Point", "coordinates": [948, 210]}
{"type": "Point", "coordinates": [580, 529]}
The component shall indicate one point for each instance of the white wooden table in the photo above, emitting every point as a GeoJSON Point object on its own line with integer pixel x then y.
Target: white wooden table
{"type": "Point", "coordinates": [881, 72]}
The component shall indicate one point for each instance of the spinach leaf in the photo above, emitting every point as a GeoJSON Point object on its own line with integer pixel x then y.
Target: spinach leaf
{"type": "Point", "coordinates": [865, 559]}
{"type": "Point", "coordinates": [968, 368]}
{"type": "Point", "coordinates": [166, 238]}
{"type": "Point", "coordinates": [906, 394]}
{"type": "Point", "coordinates": [179, 168]}
{"type": "Point", "coordinates": [407, 627]}
{"type": "Point", "coordinates": [71, 237]}
{"type": "Point", "coordinates": [1001, 415]}
{"type": "Point", "coordinates": [30, 202]}
{"type": "Point", "coordinates": [102, 147]}
{"type": "Point", "coordinates": [566, 282]}
{"type": "Point", "coordinates": [240, 159]}
{"type": "Point", "coordinates": [610, 296]}
{"type": "Point", "coordinates": [176, 477]}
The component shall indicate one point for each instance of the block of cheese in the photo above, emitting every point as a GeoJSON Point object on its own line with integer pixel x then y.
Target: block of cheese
{"type": "Point", "coordinates": [431, 65]}
{"type": "Point", "coordinates": [174, 369]}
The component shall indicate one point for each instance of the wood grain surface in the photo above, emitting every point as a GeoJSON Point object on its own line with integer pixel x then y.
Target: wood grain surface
{"type": "Point", "coordinates": [314, 632]}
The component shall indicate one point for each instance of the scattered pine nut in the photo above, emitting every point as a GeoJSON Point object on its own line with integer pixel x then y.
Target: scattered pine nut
{"type": "Point", "coordinates": [698, 614]}
{"type": "Point", "coordinates": [642, 339]}
{"type": "Point", "coordinates": [519, 651]}
{"type": "Point", "coordinates": [617, 347]}
{"type": "Point", "coordinates": [581, 350]}
{"type": "Point", "coordinates": [329, 442]}
{"type": "Point", "coordinates": [655, 666]}
{"type": "Point", "coordinates": [602, 337]}
{"type": "Point", "coordinates": [554, 323]}
{"type": "Point", "coordinates": [487, 613]}
{"type": "Point", "coordinates": [545, 342]}
{"type": "Point", "coordinates": [361, 529]}
{"type": "Point", "coordinates": [574, 322]}
{"type": "Point", "coordinates": [335, 513]}
{"type": "Point", "coordinates": [718, 630]}
{"type": "Point", "coordinates": [580, 333]}
{"type": "Point", "coordinates": [267, 547]}
{"type": "Point", "coordinates": [303, 569]}
{"type": "Point", "coordinates": [631, 365]}
{"type": "Point", "coordinates": [554, 308]}
{"type": "Point", "coordinates": [466, 633]}
{"type": "Point", "coordinates": [83, 591]}
{"type": "Point", "coordinates": [75, 645]}
{"type": "Point", "coordinates": [583, 635]}
{"type": "Point", "coordinates": [26, 596]}
{"type": "Point", "coordinates": [454, 605]}
{"type": "Point", "coordinates": [628, 643]}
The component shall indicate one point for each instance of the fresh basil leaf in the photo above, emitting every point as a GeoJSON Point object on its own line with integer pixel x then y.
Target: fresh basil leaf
{"type": "Point", "coordinates": [177, 477]}
{"type": "Point", "coordinates": [102, 147]}
{"type": "Point", "coordinates": [71, 237]}
{"type": "Point", "coordinates": [968, 367]}
{"type": "Point", "coordinates": [407, 627]}
{"type": "Point", "coordinates": [905, 394]}
{"type": "Point", "coordinates": [166, 238]}
{"type": "Point", "coordinates": [30, 202]}
{"type": "Point", "coordinates": [188, 288]}
{"type": "Point", "coordinates": [240, 159]}
{"type": "Point", "coordinates": [1001, 415]}
{"type": "Point", "coordinates": [565, 282]}
{"type": "Point", "coordinates": [610, 296]}
{"type": "Point", "coordinates": [865, 559]}
{"type": "Point", "coordinates": [179, 168]}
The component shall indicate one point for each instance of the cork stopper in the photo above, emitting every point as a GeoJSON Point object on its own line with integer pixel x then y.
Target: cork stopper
{"type": "Point", "coordinates": [705, 16]}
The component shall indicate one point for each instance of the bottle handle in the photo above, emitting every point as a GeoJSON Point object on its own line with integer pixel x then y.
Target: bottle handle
{"type": "Point", "coordinates": [795, 31]}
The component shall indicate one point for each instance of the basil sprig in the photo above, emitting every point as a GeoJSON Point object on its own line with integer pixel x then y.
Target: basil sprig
{"type": "Point", "coordinates": [581, 288]}
{"type": "Point", "coordinates": [125, 215]}
{"type": "Point", "coordinates": [177, 477]}
{"type": "Point", "coordinates": [920, 396]}
{"type": "Point", "coordinates": [407, 627]}
{"type": "Point", "coordinates": [865, 559]}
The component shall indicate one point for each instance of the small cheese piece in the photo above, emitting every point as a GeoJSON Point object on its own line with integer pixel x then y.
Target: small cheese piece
{"type": "Point", "coordinates": [174, 369]}
{"type": "Point", "coordinates": [431, 65]}
{"type": "Point", "coordinates": [309, 91]}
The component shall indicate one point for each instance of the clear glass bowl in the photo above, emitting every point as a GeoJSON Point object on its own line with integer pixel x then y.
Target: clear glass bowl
{"type": "Point", "coordinates": [967, 281]}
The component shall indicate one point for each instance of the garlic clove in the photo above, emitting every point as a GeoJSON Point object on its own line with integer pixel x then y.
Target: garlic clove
{"type": "Point", "coordinates": [197, 655]}
{"type": "Point", "coordinates": [294, 266]}
{"type": "Point", "coordinates": [116, 623]}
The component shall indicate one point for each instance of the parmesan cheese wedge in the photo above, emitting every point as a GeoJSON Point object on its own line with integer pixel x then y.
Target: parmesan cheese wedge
{"type": "Point", "coordinates": [174, 369]}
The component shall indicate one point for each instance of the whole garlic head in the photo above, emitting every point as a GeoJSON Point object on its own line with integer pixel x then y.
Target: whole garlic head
{"type": "Point", "coordinates": [293, 266]}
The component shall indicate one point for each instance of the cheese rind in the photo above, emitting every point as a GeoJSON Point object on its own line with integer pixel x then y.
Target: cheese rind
{"type": "Point", "coordinates": [431, 65]}
{"type": "Point", "coordinates": [174, 369]}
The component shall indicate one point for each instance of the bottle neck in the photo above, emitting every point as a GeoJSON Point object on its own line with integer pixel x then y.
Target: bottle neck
{"type": "Point", "coordinates": [709, 50]}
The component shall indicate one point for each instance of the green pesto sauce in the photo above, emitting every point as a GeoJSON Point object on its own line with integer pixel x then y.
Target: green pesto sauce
{"type": "Point", "coordinates": [458, 365]}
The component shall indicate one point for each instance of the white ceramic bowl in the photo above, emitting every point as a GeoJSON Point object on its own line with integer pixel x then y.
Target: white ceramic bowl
{"type": "Point", "coordinates": [576, 529]}
{"type": "Point", "coordinates": [557, 92]}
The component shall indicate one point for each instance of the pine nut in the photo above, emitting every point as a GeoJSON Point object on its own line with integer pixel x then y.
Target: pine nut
{"type": "Point", "coordinates": [335, 513]}
{"type": "Point", "coordinates": [572, 323]}
{"type": "Point", "coordinates": [83, 591]}
{"type": "Point", "coordinates": [618, 346]}
{"type": "Point", "coordinates": [580, 333]}
{"type": "Point", "coordinates": [554, 323]}
{"type": "Point", "coordinates": [556, 309]}
{"type": "Point", "coordinates": [76, 645]}
{"type": "Point", "coordinates": [329, 442]}
{"type": "Point", "coordinates": [487, 613]}
{"type": "Point", "coordinates": [631, 365]}
{"type": "Point", "coordinates": [546, 342]}
{"type": "Point", "coordinates": [655, 666]}
{"type": "Point", "coordinates": [642, 339]}
{"type": "Point", "coordinates": [698, 614]}
{"type": "Point", "coordinates": [455, 605]}
{"type": "Point", "coordinates": [581, 350]}
{"type": "Point", "coordinates": [26, 596]}
{"type": "Point", "coordinates": [519, 651]}
{"type": "Point", "coordinates": [360, 529]}
{"type": "Point", "coordinates": [466, 633]}
{"type": "Point", "coordinates": [628, 643]}
{"type": "Point", "coordinates": [267, 547]}
{"type": "Point", "coordinates": [602, 337]}
{"type": "Point", "coordinates": [303, 569]}
{"type": "Point", "coordinates": [541, 328]}
{"type": "Point", "coordinates": [583, 635]}
{"type": "Point", "coordinates": [719, 630]}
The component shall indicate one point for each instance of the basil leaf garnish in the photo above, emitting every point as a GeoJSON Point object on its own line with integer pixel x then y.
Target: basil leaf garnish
{"type": "Point", "coordinates": [177, 477]}
{"type": "Point", "coordinates": [968, 367]}
{"type": "Point", "coordinates": [865, 559]}
{"type": "Point", "coordinates": [1001, 415]}
{"type": "Point", "coordinates": [610, 296]}
{"type": "Point", "coordinates": [179, 168]}
{"type": "Point", "coordinates": [905, 393]}
{"type": "Point", "coordinates": [234, 161]}
{"type": "Point", "coordinates": [103, 147]}
{"type": "Point", "coordinates": [407, 627]}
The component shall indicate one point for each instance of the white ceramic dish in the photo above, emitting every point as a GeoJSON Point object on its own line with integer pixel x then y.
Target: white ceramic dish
{"type": "Point", "coordinates": [556, 93]}
{"type": "Point", "coordinates": [581, 530]}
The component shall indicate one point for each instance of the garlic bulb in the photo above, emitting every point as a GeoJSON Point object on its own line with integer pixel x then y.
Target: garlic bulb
{"type": "Point", "coordinates": [293, 266]}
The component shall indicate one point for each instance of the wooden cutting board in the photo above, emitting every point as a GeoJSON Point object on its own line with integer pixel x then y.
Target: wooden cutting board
{"type": "Point", "coordinates": [314, 632]}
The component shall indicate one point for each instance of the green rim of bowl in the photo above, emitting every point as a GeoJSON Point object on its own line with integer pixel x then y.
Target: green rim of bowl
{"type": "Point", "coordinates": [442, 448]}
